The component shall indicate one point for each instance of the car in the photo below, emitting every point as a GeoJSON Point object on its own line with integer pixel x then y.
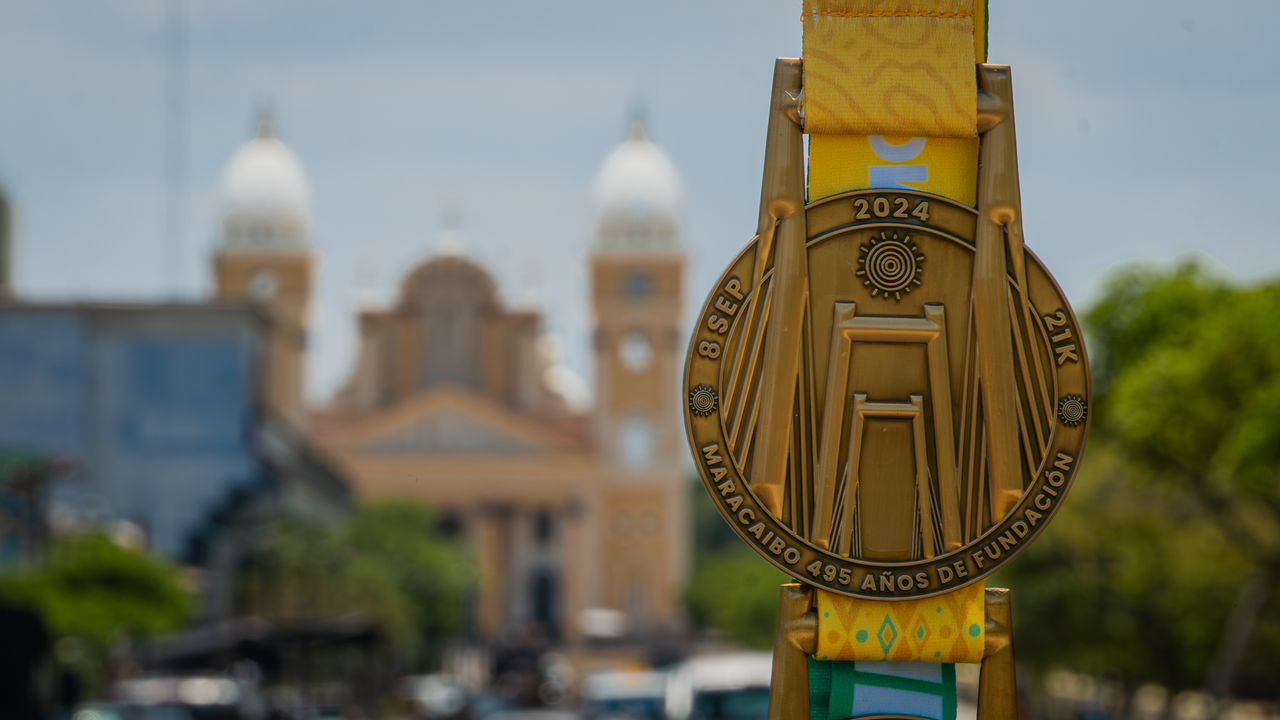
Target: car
{"type": "Point", "coordinates": [175, 697]}
{"type": "Point", "coordinates": [624, 696]}
{"type": "Point", "coordinates": [441, 697]}
{"type": "Point", "coordinates": [731, 686]}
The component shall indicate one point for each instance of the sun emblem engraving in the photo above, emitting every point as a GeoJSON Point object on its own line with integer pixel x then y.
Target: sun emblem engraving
{"type": "Point", "coordinates": [1072, 410]}
{"type": "Point", "coordinates": [890, 265]}
{"type": "Point", "coordinates": [703, 400]}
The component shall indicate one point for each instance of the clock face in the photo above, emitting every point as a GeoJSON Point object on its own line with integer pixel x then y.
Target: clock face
{"type": "Point", "coordinates": [636, 352]}
{"type": "Point", "coordinates": [639, 285]}
{"type": "Point", "coordinates": [263, 285]}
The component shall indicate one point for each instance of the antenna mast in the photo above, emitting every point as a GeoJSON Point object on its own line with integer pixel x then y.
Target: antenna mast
{"type": "Point", "coordinates": [175, 97]}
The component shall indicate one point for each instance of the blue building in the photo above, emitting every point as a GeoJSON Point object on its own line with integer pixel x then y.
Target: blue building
{"type": "Point", "coordinates": [156, 415]}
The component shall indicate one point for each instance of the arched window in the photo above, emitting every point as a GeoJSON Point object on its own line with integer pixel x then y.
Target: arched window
{"type": "Point", "coordinates": [545, 599]}
{"type": "Point", "coordinates": [544, 527]}
{"type": "Point", "coordinates": [636, 443]}
{"type": "Point", "coordinates": [635, 351]}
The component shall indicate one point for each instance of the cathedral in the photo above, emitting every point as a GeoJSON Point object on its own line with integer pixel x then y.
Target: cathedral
{"type": "Point", "coordinates": [575, 517]}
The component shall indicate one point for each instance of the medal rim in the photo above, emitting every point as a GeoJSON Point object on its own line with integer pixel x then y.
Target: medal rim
{"type": "Point", "coordinates": [870, 567]}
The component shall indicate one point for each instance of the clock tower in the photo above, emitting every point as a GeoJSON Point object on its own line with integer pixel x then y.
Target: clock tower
{"type": "Point", "coordinates": [637, 274]}
{"type": "Point", "coordinates": [264, 256]}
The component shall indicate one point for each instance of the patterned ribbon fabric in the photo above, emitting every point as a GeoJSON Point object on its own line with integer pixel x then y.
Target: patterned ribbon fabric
{"type": "Point", "coordinates": [948, 628]}
{"type": "Point", "coordinates": [890, 98]}
{"type": "Point", "coordinates": [890, 101]}
{"type": "Point", "coordinates": [903, 66]}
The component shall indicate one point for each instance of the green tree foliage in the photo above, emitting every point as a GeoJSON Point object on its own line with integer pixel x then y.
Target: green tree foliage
{"type": "Point", "coordinates": [310, 572]}
{"type": "Point", "coordinates": [1175, 518]}
{"type": "Point", "coordinates": [92, 590]}
{"type": "Point", "coordinates": [1123, 584]}
{"type": "Point", "coordinates": [711, 534]}
{"type": "Point", "coordinates": [389, 563]}
{"type": "Point", "coordinates": [733, 590]}
{"type": "Point", "coordinates": [434, 574]}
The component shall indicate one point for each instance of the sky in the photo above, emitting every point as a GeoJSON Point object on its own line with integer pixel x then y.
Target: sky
{"type": "Point", "coordinates": [1148, 131]}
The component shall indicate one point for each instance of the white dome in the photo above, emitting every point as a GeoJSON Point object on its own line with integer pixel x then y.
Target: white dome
{"type": "Point", "coordinates": [637, 197]}
{"type": "Point", "coordinates": [266, 200]}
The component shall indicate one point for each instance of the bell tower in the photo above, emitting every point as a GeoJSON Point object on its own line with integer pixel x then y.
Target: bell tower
{"type": "Point", "coordinates": [264, 256]}
{"type": "Point", "coordinates": [637, 275]}
{"type": "Point", "coordinates": [636, 270]}
{"type": "Point", "coordinates": [636, 301]}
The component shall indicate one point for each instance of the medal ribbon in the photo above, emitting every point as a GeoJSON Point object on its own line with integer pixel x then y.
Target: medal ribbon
{"type": "Point", "coordinates": [890, 95]}
{"type": "Point", "coordinates": [890, 102]}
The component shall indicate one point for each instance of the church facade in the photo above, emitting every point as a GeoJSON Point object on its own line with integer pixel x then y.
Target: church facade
{"type": "Point", "coordinates": [575, 516]}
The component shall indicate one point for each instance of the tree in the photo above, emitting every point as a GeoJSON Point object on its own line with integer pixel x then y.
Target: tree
{"type": "Point", "coordinates": [1165, 560]}
{"type": "Point", "coordinates": [1128, 582]}
{"type": "Point", "coordinates": [94, 593]}
{"type": "Point", "coordinates": [434, 573]}
{"type": "Point", "coordinates": [733, 590]}
{"type": "Point", "coordinates": [389, 563]}
{"type": "Point", "coordinates": [309, 572]}
{"type": "Point", "coordinates": [736, 593]}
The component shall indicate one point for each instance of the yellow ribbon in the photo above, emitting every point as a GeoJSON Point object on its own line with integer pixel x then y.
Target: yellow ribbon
{"type": "Point", "coordinates": [890, 101]}
{"type": "Point", "coordinates": [890, 97]}
{"type": "Point", "coordinates": [948, 628]}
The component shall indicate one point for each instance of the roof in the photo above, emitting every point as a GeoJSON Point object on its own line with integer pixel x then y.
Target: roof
{"type": "Point", "coordinates": [248, 309]}
{"type": "Point", "coordinates": [451, 420]}
{"type": "Point", "coordinates": [266, 196]}
{"type": "Point", "coordinates": [637, 197]}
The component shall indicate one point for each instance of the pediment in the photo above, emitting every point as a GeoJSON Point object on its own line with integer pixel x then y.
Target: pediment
{"type": "Point", "coordinates": [451, 421]}
{"type": "Point", "coordinates": [458, 435]}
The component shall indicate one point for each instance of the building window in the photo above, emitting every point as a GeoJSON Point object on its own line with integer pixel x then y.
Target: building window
{"type": "Point", "coordinates": [636, 443]}
{"type": "Point", "coordinates": [544, 527]}
{"type": "Point", "coordinates": [639, 285]}
{"type": "Point", "coordinates": [638, 604]}
{"type": "Point", "coordinates": [449, 524]}
{"type": "Point", "coordinates": [545, 595]}
{"type": "Point", "coordinates": [636, 352]}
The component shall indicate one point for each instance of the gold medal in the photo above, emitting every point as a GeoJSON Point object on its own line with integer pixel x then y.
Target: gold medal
{"type": "Point", "coordinates": [937, 381]}
{"type": "Point", "coordinates": [887, 393]}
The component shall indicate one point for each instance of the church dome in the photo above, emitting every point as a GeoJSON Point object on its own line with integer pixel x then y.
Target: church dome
{"type": "Point", "coordinates": [637, 198]}
{"type": "Point", "coordinates": [266, 200]}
